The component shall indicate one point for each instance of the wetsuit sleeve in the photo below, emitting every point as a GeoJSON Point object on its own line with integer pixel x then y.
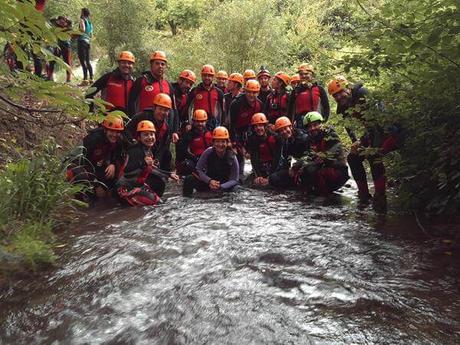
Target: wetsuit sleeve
{"type": "Point", "coordinates": [134, 97]}
{"type": "Point", "coordinates": [234, 109]}
{"type": "Point", "coordinates": [334, 153]}
{"type": "Point", "coordinates": [90, 144]}
{"type": "Point", "coordinates": [276, 155]}
{"type": "Point", "coordinates": [189, 105]}
{"type": "Point", "coordinates": [291, 106]}
{"type": "Point", "coordinates": [324, 103]}
{"type": "Point", "coordinates": [182, 148]}
{"type": "Point", "coordinates": [202, 164]}
{"type": "Point", "coordinates": [234, 175]}
{"type": "Point", "coordinates": [254, 157]}
{"type": "Point", "coordinates": [98, 85]}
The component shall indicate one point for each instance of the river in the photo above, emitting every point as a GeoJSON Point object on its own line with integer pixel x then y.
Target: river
{"type": "Point", "coordinates": [253, 267]}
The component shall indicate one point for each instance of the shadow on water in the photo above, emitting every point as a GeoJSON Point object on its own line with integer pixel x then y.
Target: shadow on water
{"type": "Point", "coordinates": [253, 267]}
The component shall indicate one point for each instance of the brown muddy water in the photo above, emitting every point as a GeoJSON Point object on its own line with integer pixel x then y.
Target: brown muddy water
{"type": "Point", "coordinates": [252, 267]}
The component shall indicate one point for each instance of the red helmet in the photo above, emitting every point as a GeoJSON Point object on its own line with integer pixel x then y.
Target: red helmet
{"type": "Point", "coordinates": [189, 75]}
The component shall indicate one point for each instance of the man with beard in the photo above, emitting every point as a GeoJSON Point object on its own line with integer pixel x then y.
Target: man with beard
{"type": "Point", "coordinates": [264, 80]}
{"type": "Point", "coordinates": [115, 86]}
{"type": "Point", "coordinates": [192, 144]}
{"type": "Point", "coordinates": [181, 89]}
{"type": "Point", "coordinates": [234, 85]}
{"type": "Point", "coordinates": [208, 97]}
{"type": "Point", "coordinates": [241, 111]}
{"type": "Point", "coordinates": [307, 96]}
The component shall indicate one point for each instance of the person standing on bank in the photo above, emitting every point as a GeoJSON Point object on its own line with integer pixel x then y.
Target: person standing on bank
{"type": "Point", "coordinates": [86, 29]}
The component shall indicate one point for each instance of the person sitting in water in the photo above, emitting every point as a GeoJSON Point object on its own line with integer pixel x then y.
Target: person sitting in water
{"type": "Point", "coordinates": [102, 149]}
{"type": "Point", "coordinates": [294, 143]}
{"type": "Point", "coordinates": [323, 169]}
{"type": "Point", "coordinates": [140, 182]}
{"type": "Point", "coordinates": [263, 147]}
{"type": "Point", "coordinates": [193, 143]}
{"type": "Point", "coordinates": [217, 169]}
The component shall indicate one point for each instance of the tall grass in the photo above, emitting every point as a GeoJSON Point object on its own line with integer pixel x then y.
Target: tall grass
{"type": "Point", "coordinates": [34, 199]}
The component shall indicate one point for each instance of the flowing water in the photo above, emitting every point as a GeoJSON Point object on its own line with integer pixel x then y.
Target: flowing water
{"type": "Point", "coordinates": [253, 267]}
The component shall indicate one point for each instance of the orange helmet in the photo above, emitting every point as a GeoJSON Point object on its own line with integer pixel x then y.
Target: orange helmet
{"type": "Point", "coordinates": [208, 69]}
{"type": "Point", "coordinates": [200, 115]}
{"type": "Point", "coordinates": [237, 78]}
{"type": "Point", "coordinates": [282, 122]}
{"type": "Point", "coordinates": [249, 74]}
{"type": "Point", "coordinates": [252, 85]}
{"type": "Point", "coordinates": [126, 56]}
{"type": "Point", "coordinates": [189, 75]}
{"type": "Point", "coordinates": [158, 55]}
{"type": "Point", "coordinates": [337, 84]}
{"type": "Point", "coordinates": [284, 77]}
{"type": "Point", "coordinates": [146, 126]}
{"type": "Point", "coordinates": [220, 133]}
{"type": "Point", "coordinates": [258, 119]}
{"type": "Point", "coordinates": [305, 67]}
{"type": "Point", "coordinates": [295, 78]}
{"type": "Point", "coordinates": [222, 75]}
{"type": "Point", "coordinates": [113, 122]}
{"type": "Point", "coordinates": [163, 100]}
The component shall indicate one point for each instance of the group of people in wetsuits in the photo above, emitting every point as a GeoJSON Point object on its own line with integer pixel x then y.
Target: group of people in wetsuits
{"type": "Point", "coordinates": [218, 124]}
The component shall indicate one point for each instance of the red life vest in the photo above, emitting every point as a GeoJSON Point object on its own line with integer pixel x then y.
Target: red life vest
{"type": "Point", "coordinates": [200, 143]}
{"type": "Point", "coordinates": [307, 100]}
{"type": "Point", "coordinates": [277, 106]}
{"type": "Point", "coordinates": [206, 100]}
{"type": "Point", "coordinates": [150, 90]}
{"type": "Point", "coordinates": [162, 132]}
{"type": "Point", "coordinates": [117, 92]}
{"type": "Point", "coordinates": [267, 149]}
{"type": "Point", "coordinates": [246, 111]}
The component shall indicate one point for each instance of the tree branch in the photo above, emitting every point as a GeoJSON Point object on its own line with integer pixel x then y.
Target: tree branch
{"type": "Point", "coordinates": [21, 107]}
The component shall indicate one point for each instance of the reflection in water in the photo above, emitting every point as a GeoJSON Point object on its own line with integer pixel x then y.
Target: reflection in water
{"type": "Point", "coordinates": [256, 267]}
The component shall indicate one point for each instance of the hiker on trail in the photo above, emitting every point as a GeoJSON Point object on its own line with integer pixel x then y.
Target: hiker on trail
{"type": "Point", "coordinates": [276, 104]}
{"type": "Point", "coordinates": [150, 84]}
{"type": "Point", "coordinates": [217, 169]}
{"type": "Point", "coordinates": [294, 143]}
{"type": "Point", "coordinates": [263, 147]}
{"type": "Point", "coordinates": [241, 111]}
{"type": "Point", "coordinates": [165, 134]}
{"type": "Point", "coordinates": [307, 96]}
{"type": "Point", "coordinates": [192, 144]}
{"type": "Point", "coordinates": [263, 76]}
{"type": "Point", "coordinates": [116, 85]}
{"type": "Point", "coordinates": [248, 75]}
{"type": "Point", "coordinates": [208, 97]}
{"type": "Point", "coordinates": [221, 81]}
{"type": "Point", "coordinates": [141, 182]}
{"type": "Point", "coordinates": [102, 149]}
{"type": "Point", "coordinates": [181, 89]}
{"type": "Point", "coordinates": [63, 49]}
{"type": "Point", "coordinates": [234, 85]}
{"type": "Point", "coordinates": [323, 169]}
{"type": "Point", "coordinates": [352, 102]}
{"type": "Point", "coordinates": [86, 29]}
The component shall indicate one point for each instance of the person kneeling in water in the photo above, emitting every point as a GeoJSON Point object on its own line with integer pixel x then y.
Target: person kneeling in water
{"type": "Point", "coordinates": [96, 165]}
{"type": "Point", "coordinates": [264, 148]}
{"type": "Point", "coordinates": [141, 183]}
{"type": "Point", "coordinates": [323, 169]}
{"type": "Point", "coordinates": [217, 169]}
